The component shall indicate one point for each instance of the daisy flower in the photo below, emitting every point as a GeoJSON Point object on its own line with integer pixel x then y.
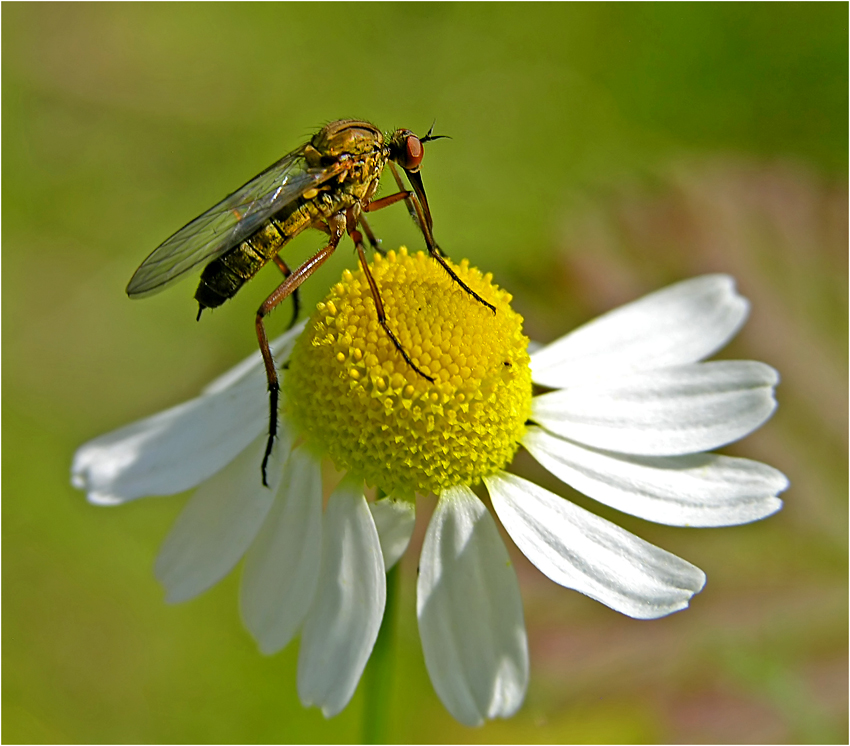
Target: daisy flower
{"type": "Point", "coordinates": [627, 414]}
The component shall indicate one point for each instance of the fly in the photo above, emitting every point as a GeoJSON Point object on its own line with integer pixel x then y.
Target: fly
{"type": "Point", "coordinates": [328, 184]}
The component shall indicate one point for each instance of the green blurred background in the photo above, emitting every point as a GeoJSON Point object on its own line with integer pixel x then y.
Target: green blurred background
{"type": "Point", "coordinates": [599, 151]}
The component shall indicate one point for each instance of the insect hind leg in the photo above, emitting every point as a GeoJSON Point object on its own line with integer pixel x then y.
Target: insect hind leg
{"type": "Point", "coordinates": [296, 294]}
{"type": "Point", "coordinates": [283, 291]}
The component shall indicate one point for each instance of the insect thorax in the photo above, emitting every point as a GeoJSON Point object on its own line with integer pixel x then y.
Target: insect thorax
{"type": "Point", "coordinates": [223, 277]}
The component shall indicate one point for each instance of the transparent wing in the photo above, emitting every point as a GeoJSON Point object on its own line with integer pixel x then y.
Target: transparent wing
{"type": "Point", "coordinates": [230, 222]}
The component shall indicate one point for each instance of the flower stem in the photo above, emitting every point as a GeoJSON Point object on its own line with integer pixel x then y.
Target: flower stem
{"type": "Point", "coordinates": [378, 679]}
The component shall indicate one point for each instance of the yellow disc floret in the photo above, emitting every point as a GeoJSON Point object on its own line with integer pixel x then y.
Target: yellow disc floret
{"type": "Point", "coordinates": [350, 392]}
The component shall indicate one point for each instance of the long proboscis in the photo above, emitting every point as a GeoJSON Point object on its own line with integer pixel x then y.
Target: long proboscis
{"type": "Point", "coordinates": [419, 189]}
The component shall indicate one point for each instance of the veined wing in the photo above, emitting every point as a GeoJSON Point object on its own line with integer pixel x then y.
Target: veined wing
{"type": "Point", "coordinates": [230, 222]}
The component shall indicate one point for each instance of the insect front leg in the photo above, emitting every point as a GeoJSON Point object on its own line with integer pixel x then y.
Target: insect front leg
{"type": "Point", "coordinates": [391, 199]}
{"type": "Point", "coordinates": [414, 206]}
{"type": "Point", "coordinates": [374, 206]}
{"type": "Point", "coordinates": [409, 199]}
{"type": "Point", "coordinates": [336, 224]}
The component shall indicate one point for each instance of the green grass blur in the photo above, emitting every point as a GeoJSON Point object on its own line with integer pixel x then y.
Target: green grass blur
{"type": "Point", "coordinates": [598, 151]}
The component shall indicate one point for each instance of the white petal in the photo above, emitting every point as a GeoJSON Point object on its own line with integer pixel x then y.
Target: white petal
{"type": "Point", "coordinates": [218, 523]}
{"type": "Point", "coordinates": [702, 489]}
{"type": "Point", "coordinates": [664, 412]}
{"type": "Point", "coordinates": [282, 566]}
{"type": "Point", "coordinates": [343, 622]}
{"type": "Point", "coordinates": [680, 324]}
{"type": "Point", "coordinates": [171, 451]}
{"type": "Point", "coordinates": [253, 364]}
{"type": "Point", "coordinates": [470, 612]}
{"type": "Point", "coordinates": [580, 550]}
{"type": "Point", "coordinates": [394, 520]}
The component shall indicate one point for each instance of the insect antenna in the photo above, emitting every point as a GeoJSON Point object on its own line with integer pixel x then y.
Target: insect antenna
{"type": "Point", "coordinates": [429, 137]}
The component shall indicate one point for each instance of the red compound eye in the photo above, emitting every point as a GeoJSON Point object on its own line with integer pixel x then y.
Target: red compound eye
{"type": "Point", "coordinates": [414, 152]}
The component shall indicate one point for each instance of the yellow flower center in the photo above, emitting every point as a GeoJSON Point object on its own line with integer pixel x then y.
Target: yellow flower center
{"type": "Point", "coordinates": [351, 394]}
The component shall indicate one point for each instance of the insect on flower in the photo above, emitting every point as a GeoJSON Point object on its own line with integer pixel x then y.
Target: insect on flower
{"type": "Point", "coordinates": [329, 184]}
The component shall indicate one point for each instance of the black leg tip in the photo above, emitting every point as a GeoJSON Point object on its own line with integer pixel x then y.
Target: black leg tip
{"type": "Point", "coordinates": [265, 463]}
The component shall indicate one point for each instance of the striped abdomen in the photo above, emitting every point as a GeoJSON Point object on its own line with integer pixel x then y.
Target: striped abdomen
{"type": "Point", "coordinates": [222, 278]}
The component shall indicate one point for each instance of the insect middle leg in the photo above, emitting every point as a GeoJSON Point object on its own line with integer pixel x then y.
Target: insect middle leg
{"type": "Point", "coordinates": [374, 242]}
{"type": "Point", "coordinates": [336, 225]}
{"type": "Point", "coordinates": [357, 237]}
